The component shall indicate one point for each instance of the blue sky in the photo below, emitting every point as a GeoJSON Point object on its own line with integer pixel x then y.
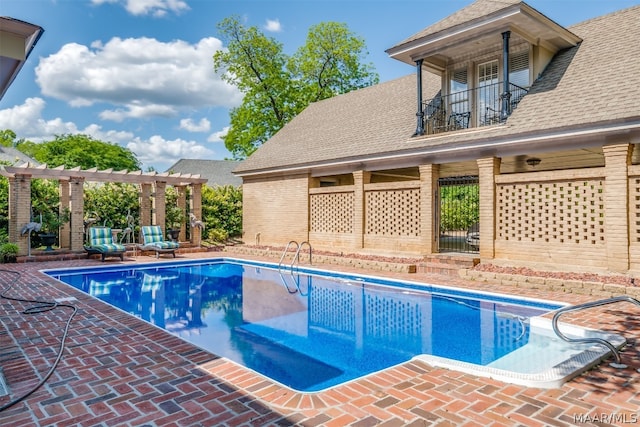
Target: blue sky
{"type": "Point", "coordinates": [139, 73]}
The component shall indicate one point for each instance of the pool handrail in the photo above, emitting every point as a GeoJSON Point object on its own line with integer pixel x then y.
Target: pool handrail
{"type": "Point", "coordinates": [296, 256]}
{"type": "Point", "coordinates": [595, 340]}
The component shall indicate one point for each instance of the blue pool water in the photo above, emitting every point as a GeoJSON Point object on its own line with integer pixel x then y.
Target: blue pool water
{"type": "Point", "coordinates": [311, 329]}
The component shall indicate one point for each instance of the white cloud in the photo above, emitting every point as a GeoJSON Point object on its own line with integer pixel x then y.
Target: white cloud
{"type": "Point", "coordinates": [217, 136]}
{"type": "Point", "coordinates": [142, 77]}
{"type": "Point", "coordinates": [204, 125]}
{"type": "Point", "coordinates": [156, 8]}
{"type": "Point", "coordinates": [27, 122]}
{"type": "Point", "coordinates": [163, 153]}
{"type": "Point", "coordinates": [273, 26]}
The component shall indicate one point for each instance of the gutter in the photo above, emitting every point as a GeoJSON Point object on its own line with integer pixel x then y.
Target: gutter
{"type": "Point", "coordinates": [488, 147]}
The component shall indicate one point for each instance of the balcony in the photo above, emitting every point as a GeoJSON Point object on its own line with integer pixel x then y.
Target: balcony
{"type": "Point", "coordinates": [482, 106]}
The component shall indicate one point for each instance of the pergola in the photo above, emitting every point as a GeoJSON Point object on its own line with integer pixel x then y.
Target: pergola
{"type": "Point", "coordinates": [71, 186]}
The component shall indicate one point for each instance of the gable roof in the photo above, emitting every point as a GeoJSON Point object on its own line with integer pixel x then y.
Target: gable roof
{"type": "Point", "coordinates": [587, 93]}
{"type": "Point", "coordinates": [216, 172]}
{"type": "Point", "coordinates": [479, 26]}
{"type": "Point", "coordinates": [13, 156]}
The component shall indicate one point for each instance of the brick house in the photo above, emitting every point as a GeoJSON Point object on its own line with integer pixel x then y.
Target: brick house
{"type": "Point", "coordinates": [544, 119]}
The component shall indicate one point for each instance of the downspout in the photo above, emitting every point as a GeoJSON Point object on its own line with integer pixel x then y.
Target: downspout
{"type": "Point", "coordinates": [505, 111]}
{"type": "Point", "coordinates": [420, 113]}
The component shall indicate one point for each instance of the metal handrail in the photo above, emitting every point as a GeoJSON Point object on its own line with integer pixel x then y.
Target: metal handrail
{"type": "Point", "coordinates": [297, 255]}
{"type": "Point", "coordinates": [480, 106]}
{"type": "Point", "coordinates": [594, 340]}
{"type": "Point", "coordinates": [284, 253]}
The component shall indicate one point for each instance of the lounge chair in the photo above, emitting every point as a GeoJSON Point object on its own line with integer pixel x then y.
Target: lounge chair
{"type": "Point", "coordinates": [101, 242]}
{"type": "Point", "coordinates": [153, 240]}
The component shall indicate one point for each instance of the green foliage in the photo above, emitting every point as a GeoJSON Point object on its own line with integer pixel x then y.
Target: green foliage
{"type": "Point", "coordinates": [4, 208]}
{"type": "Point", "coordinates": [7, 138]}
{"type": "Point", "coordinates": [111, 202]}
{"type": "Point", "coordinates": [9, 249]}
{"type": "Point", "coordinates": [277, 87]}
{"type": "Point", "coordinates": [222, 211]}
{"type": "Point", "coordinates": [459, 206]}
{"type": "Point", "coordinates": [174, 216]}
{"type": "Point", "coordinates": [45, 205]}
{"type": "Point", "coordinates": [81, 150]}
{"type": "Point", "coordinates": [330, 62]}
{"type": "Point", "coordinates": [217, 235]}
{"type": "Point", "coordinates": [8, 252]}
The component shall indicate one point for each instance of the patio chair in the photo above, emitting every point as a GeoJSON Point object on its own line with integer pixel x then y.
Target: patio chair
{"type": "Point", "coordinates": [153, 240]}
{"type": "Point", "coordinates": [101, 242]}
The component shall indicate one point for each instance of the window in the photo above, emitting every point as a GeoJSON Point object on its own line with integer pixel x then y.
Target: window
{"type": "Point", "coordinates": [459, 91]}
{"type": "Point", "coordinates": [519, 69]}
{"type": "Point", "coordinates": [488, 93]}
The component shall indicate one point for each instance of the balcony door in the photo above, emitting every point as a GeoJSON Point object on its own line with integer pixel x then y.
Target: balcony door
{"type": "Point", "coordinates": [488, 93]}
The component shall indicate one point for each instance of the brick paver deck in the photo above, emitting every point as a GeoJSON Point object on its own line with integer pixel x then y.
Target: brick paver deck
{"type": "Point", "coordinates": [118, 370]}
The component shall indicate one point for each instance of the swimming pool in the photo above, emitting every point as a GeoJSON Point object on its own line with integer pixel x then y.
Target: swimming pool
{"type": "Point", "coordinates": [310, 329]}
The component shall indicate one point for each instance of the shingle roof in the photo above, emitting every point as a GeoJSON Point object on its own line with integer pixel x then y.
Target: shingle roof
{"type": "Point", "coordinates": [216, 172]}
{"type": "Point", "coordinates": [594, 84]}
{"type": "Point", "coordinates": [14, 156]}
{"type": "Point", "coordinates": [475, 10]}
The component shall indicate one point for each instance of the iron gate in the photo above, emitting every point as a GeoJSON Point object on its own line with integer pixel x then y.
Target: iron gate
{"type": "Point", "coordinates": [459, 201]}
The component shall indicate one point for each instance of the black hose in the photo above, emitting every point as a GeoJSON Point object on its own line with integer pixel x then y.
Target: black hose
{"type": "Point", "coordinates": [41, 307]}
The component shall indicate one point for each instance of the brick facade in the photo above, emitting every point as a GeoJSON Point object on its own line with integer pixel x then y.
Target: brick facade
{"type": "Point", "coordinates": [584, 217]}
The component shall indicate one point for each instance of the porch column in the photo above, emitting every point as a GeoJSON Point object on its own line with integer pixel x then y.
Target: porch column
{"type": "Point", "coordinates": [420, 113]}
{"type": "Point", "coordinates": [429, 175]}
{"type": "Point", "coordinates": [488, 168]}
{"type": "Point", "coordinates": [196, 209]}
{"type": "Point", "coordinates": [617, 158]}
{"type": "Point", "coordinates": [19, 210]}
{"type": "Point", "coordinates": [360, 178]}
{"type": "Point", "coordinates": [182, 204]}
{"type": "Point", "coordinates": [145, 204]}
{"type": "Point", "coordinates": [64, 234]}
{"type": "Point", "coordinates": [160, 205]}
{"type": "Point", "coordinates": [76, 206]}
{"type": "Point", "coordinates": [505, 111]}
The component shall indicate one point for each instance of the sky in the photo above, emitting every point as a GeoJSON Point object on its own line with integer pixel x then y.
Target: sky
{"type": "Point", "coordinates": [139, 73]}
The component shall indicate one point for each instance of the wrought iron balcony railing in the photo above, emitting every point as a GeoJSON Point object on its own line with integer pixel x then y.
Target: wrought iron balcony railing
{"type": "Point", "coordinates": [482, 106]}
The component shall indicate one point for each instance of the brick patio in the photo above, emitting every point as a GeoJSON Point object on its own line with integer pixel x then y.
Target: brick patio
{"type": "Point", "coordinates": [118, 370]}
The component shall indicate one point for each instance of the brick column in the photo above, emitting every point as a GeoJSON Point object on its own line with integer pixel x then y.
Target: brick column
{"type": "Point", "coordinates": [616, 204]}
{"type": "Point", "coordinates": [195, 236]}
{"type": "Point", "coordinates": [159, 205]}
{"type": "Point", "coordinates": [360, 178]}
{"type": "Point", "coordinates": [64, 234]}
{"type": "Point", "coordinates": [488, 168]}
{"type": "Point", "coordinates": [145, 204]}
{"type": "Point", "coordinates": [182, 204]}
{"type": "Point", "coordinates": [429, 175]}
{"type": "Point", "coordinates": [19, 211]}
{"type": "Point", "coordinates": [76, 206]}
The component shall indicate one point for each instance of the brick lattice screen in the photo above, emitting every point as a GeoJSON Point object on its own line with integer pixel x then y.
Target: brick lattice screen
{"type": "Point", "coordinates": [634, 207]}
{"type": "Point", "coordinates": [569, 211]}
{"type": "Point", "coordinates": [331, 212]}
{"type": "Point", "coordinates": [393, 212]}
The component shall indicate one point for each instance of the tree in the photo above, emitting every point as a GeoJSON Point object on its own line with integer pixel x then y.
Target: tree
{"type": "Point", "coordinates": [276, 86]}
{"type": "Point", "coordinates": [81, 150]}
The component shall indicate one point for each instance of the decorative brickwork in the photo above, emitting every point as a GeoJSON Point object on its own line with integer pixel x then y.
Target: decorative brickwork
{"type": "Point", "coordinates": [331, 212]}
{"type": "Point", "coordinates": [634, 197]}
{"type": "Point", "coordinates": [551, 212]}
{"type": "Point", "coordinates": [393, 212]}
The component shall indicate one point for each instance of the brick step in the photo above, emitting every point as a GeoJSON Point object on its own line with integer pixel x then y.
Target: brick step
{"type": "Point", "coordinates": [458, 260]}
{"type": "Point", "coordinates": [439, 268]}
